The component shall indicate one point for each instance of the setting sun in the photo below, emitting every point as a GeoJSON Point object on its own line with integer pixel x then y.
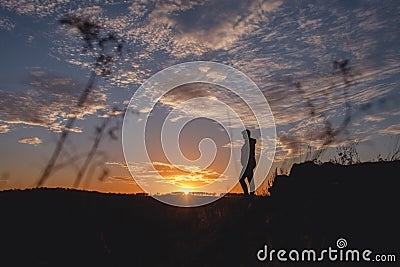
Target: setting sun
{"type": "Point", "coordinates": [186, 191]}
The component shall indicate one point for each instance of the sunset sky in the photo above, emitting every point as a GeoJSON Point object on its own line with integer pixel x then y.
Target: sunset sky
{"type": "Point", "coordinates": [286, 47]}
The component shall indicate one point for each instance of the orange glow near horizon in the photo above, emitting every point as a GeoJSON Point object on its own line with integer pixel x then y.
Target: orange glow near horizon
{"type": "Point", "coordinates": [186, 179]}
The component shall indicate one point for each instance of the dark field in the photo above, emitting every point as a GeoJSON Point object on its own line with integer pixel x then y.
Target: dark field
{"type": "Point", "coordinates": [311, 208]}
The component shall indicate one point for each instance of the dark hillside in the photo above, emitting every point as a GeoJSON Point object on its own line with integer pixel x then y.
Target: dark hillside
{"type": "Point", "coordinates": [311, 208]}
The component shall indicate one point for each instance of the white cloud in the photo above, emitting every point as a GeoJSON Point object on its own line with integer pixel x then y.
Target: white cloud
{"type": "Point", "coordinates": [30, 140]}
{"type": "Point", "coordinates": [4, 128]}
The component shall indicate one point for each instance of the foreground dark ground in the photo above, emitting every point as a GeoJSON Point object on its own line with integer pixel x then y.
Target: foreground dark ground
{"type": "Point", "coordinates": [311, 208]}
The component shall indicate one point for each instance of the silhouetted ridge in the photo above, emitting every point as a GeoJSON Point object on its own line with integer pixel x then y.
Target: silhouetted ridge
{"type": "Point", "coordinates": [371, 178]}
{"type": "Point", "coordinates": [311, 208]}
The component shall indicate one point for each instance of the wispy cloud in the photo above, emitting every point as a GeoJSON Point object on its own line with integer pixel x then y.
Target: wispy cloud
{"type": "Point", "coordinates": [115, 163]}
{"type": "Point", "coordinates": [4, 128]}
{"type": "Point", "coordinates": [391, 130]}
{"type": "Point", "coordinates": [375, 118]}
{"type": "Point", "coordinates": [217, 25]}
{"type": "Point", "coordinates": [48, 102]}
{"type": "Point", "coordinates": [30, 141]}
{"type": "Point", "coordinates": [276, 43]}
{"type": "Point", "coordinates": [123, 179]}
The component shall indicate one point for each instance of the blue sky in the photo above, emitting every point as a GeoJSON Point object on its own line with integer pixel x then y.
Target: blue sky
{"type": "Point", "coordinates": [278, 44]}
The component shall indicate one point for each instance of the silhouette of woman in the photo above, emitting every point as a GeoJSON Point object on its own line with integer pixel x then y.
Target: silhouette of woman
{"type": "Point", "coordinates": [248, 161]}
